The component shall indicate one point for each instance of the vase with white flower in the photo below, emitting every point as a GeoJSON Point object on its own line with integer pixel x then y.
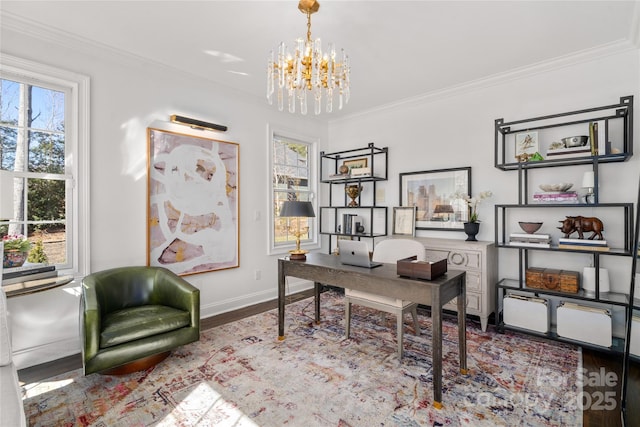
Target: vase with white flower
{"type": "Point", "coordinates": [16, 250]}
{"type": "Point", "coordinates": [472, 227]}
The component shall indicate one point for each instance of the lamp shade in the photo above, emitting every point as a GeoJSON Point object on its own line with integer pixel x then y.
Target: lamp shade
{"type": "Point", "coordinates": [297, 209]}
{"type": "Point", "coordinates": [588, 180]}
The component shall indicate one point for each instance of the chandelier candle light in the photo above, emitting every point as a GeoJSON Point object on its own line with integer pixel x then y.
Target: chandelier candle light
{"type": "Point", "coordinates": [308, 70]}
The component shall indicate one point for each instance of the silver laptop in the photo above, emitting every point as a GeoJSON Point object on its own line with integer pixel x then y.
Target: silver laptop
{"type": "Point", "coordinates": [355, 252]}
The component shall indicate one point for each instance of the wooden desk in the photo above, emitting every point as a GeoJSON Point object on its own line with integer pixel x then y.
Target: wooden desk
{"type": "Point", "coordinates": [383, 280]}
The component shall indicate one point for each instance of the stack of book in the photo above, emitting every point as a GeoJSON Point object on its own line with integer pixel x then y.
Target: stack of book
{"type": "Point", "coordinates": [28, 273]}
{"type": "Point", "coordinates": [569, 152]}
{"type": "Point", "coordinates": [349, 224]}
{"type": "Point", "coordinates": [556, 197]}
{"type": "Point", "coordinates": [338, 176]}
{"type": "Point", "coordinates": [583, 244]}
{"type": "Point", "coordinates": [530, 240]}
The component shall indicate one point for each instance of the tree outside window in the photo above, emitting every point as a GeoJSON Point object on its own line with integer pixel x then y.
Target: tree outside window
{"type": "Point", "coordinates": [290, 181]}
{"type": "Point", "coordinates": [32, 162]}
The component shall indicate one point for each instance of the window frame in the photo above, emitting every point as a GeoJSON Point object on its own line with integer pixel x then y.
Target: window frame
{"type": "Point", "coordinates": [77, 132]}
{"type": "Point", "coordinates": [312, 161]}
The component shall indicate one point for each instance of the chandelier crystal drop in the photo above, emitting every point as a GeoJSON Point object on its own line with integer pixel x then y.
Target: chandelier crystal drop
{"type": "Point", "coordinates": [308, 71]}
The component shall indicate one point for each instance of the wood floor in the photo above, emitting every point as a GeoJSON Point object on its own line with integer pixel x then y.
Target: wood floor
{"type": "Point", "coordinates": [599, 411]}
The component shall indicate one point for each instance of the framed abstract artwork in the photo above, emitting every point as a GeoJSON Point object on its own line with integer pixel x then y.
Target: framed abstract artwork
{"type": "Point", "coordinates": [192, 209]}
{"type": "Point", "coordinates": [436, 195]}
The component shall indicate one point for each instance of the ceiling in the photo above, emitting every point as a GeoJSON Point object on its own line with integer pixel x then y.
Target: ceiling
{"type": "Point", "coordinates": [398, 49]}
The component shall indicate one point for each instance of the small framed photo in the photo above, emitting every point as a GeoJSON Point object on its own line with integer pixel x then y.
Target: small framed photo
{"type": "Point", "coordinates": [356, 163]}
{"type": "Point", "coordinates": [526, 144]}
{"type": "Point", "coordinates": [404, 220]}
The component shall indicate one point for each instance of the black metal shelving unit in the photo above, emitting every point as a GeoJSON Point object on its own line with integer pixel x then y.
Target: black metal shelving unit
{"type": "Point", "coordinates": [629, 415]}
{"type": "Point", "coordinates": [378, 162]}
{"type": "Point", "coordinates": [617, 120]}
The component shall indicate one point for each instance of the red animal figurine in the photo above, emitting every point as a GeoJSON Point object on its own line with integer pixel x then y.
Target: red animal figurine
{"type": "Point", "coordinates": [582, 224]}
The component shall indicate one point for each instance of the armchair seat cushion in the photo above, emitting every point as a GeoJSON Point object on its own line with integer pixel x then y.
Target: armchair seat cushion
{"type": "Point", "coordinates": [134, 323]}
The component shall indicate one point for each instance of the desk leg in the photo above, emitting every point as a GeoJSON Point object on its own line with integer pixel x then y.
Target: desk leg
{"type": "Point", "coordinates": [281, 299]}
{"type": "Point", "coordinates": [462, 325]}
{"type": "Point", "coordinates": [317, 286]}
{"type": "Point", "coordinates": [436, 346]}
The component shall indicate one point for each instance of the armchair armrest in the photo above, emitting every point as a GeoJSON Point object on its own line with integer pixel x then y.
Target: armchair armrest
{"type": "Point", "coordinates": [173, 291]}
{"type": "Point", "coordinates": [90, 324]}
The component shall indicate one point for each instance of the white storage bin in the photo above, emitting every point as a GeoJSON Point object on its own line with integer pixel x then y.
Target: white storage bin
{"type": "Point", "coordinates": [583, 323]}
{"type": "Point", "coordinates": [526, 312]}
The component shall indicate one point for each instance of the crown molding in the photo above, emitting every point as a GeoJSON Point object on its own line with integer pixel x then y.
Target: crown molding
{"type": "Point", "coordinates": [576, 58]}
{"type": "Point", "coordinates": [20, 25]}
{"type": "Point", "coordinates": [38, 31]}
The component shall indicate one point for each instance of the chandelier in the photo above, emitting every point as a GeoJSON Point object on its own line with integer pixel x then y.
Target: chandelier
{"type": "Point", "coordinates": [308, 71]}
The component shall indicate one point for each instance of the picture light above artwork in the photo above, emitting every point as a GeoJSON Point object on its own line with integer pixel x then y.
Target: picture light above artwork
{"type": "Point", "coordinates": [197, 124]}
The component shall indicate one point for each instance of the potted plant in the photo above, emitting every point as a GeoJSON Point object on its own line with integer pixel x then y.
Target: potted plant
{"type": "Point", "coordinates": [473, 226]}
{"type": "Point", "coordinates": [16, 250]}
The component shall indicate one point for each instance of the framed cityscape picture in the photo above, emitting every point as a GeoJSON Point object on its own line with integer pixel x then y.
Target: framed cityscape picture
{"type": "Point", "coordinates": [436, 196]}
{"type": "Point", "coordinates": [192, 209]}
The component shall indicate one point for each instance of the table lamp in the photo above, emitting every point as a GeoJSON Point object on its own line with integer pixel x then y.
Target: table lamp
{"type": "Point", "coordinates": [297, 209]}
{"type": "Point", "coordinates": [588, 182]}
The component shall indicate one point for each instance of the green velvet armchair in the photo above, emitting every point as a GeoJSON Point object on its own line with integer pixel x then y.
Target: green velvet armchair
{"type": "Point", "coordinates": [129, 314]}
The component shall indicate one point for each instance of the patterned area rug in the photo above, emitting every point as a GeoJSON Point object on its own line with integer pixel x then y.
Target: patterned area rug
{"type": "Point", "coordinates": [239, 374]}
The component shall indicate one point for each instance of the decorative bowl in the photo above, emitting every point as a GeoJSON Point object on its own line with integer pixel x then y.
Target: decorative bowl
{"type": "Point", "coordinates": [530, 227]}
{"type": "Point", "coordinates": [564, 186]}
{"type": "Point", "coordinates": [575, 141]}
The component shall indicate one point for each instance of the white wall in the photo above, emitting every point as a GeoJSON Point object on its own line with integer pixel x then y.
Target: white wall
{"type": "Point", "coordinates": [127, 96]}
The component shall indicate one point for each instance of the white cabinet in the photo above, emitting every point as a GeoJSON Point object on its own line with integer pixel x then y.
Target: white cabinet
{"type": "Point", "coordinates": [480, 261]}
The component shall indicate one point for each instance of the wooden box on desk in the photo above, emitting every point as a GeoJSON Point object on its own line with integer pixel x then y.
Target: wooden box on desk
{"type": "Point", "coordinates": [553, 280]}
{"type": "Point", "coordinates": [429, 270]}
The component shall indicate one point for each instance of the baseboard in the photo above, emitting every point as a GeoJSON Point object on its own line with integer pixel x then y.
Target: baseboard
{"type": "Point", "coordinates": [293, 286]}
{"type": "Point", "coordinates": [40, 354]}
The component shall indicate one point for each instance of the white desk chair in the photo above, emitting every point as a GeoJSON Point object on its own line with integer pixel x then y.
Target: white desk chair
{"type": "Point", "coordinates": [387, 251]}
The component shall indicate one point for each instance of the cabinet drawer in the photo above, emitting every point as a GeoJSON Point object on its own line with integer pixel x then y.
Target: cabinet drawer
{"type": "Point", "coordinates": [474, 301]}
{"type": "Point", "coordinates": [474, 281]}
{"type": "Point", "coordinates": [461, 260]}
{"type": "Point", "coordinates": [467, 260]}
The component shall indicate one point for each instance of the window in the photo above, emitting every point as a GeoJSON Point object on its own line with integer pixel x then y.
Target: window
{"type": "Point", "coordinates": [43, 118]}
{"type": "Point", "coordinates": [293, 160]}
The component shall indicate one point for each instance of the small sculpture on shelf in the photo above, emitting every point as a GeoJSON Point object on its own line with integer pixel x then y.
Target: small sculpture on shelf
{"type": "Point", "coordinates": [353, 191]}
{"type": "Point", "coordinates": [582, 224]}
